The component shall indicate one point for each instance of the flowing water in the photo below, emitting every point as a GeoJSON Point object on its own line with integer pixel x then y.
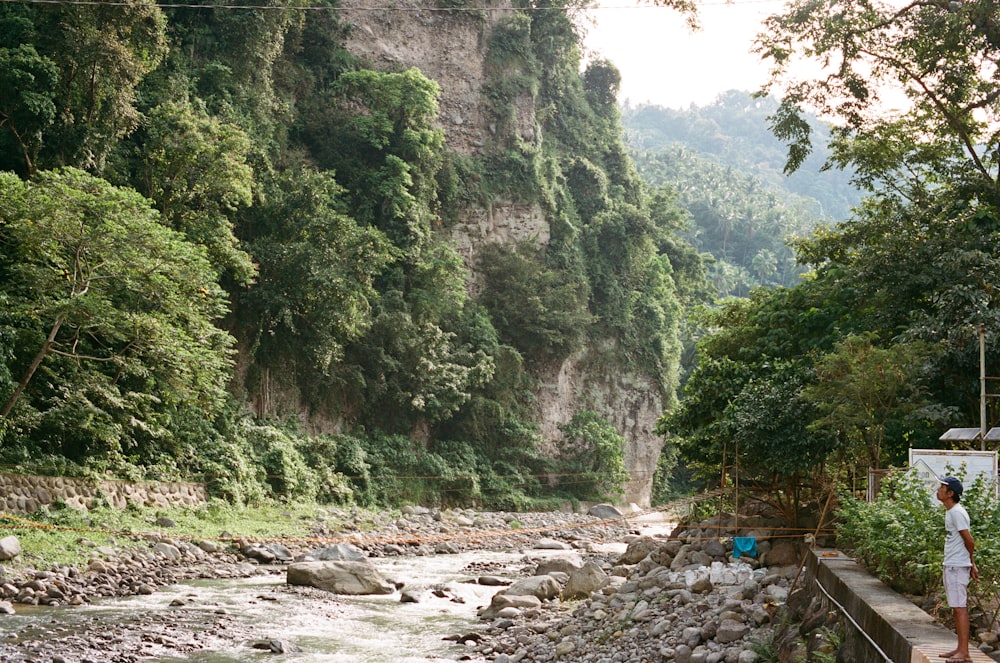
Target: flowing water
{"type": "Point", "coordinates": [228, 616]}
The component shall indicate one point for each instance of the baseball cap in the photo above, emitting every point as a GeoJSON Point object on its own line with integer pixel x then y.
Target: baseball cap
{"type": "Point", "coordinates": [953, 484]}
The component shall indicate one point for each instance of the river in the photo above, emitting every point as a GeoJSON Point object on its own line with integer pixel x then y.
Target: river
{"type": "Point", "coordinates": [220, 621]}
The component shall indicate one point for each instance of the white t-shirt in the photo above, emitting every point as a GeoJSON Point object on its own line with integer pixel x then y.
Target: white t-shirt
{"type": "Point", "coordinates": [956, 519]}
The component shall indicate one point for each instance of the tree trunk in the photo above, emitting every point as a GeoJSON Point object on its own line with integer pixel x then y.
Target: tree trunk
{"type": "Point", "coordinates": [35, 363]}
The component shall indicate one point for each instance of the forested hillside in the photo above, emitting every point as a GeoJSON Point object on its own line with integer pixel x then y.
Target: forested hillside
{"type": "Point", "coordinates": [726, 168]}
{"type": "Point", "coordinates": [228, 252]}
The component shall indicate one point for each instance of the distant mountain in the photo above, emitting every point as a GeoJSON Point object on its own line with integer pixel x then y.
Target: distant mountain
{"type": "Point", "coordinates": [725, 168]}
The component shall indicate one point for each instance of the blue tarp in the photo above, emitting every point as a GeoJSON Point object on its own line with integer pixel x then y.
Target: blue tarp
{"type": "Point", "coordinates": [744, 545]}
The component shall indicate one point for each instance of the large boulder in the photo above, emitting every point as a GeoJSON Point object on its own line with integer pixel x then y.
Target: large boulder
{"type": "Point", "coordinates": [782, 553]}
{"type": "Point", "coordinates": [339, 577]}
{"type": "Point", "coordinates": [339, 552]}
{"type": "Point", "coordinates": [584, 581]}
{"type": "Point", "coordinates": [638, 549]}
{"type": "Point", "coordinates": [501, 601]}
{"type": "Point", "coordinates": [556, 564]}
{"type": "Point", "coordinates": [543, 587]}
{"type": "Point", "coordinates": [605, 511]}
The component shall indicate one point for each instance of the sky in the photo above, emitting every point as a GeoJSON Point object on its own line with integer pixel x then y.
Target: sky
{"type": "Point", "coordinates": [662, 62]}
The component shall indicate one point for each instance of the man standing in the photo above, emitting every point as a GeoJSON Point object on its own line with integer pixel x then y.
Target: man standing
{"type": "Point", "coordinates": [958, 563]}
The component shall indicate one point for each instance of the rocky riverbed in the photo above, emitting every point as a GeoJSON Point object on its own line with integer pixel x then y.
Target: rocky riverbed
{"type": "Point", "coordinates": [584, 588]}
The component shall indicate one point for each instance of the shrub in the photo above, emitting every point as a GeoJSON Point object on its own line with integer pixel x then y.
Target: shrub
{"type": "Point", "coordinates": [591, 458]}
{"type": "Point", "coordinates": [900, 537]}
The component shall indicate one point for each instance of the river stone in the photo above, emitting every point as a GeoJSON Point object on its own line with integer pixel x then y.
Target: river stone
{"type": "Point", "coordinates": [544, 587]}
{"type": "Point", "coordinates": [339, 577]}
{"type": "Point", "coordinates": [714, 548]}
{"type": "Point", "coordinates": [10, 547]}
{"type": "Point", "coordinates": [604, 511]}
{"type": "Point", "coordinates": [208, 546]}
{"type": "Point", "coordinates": [585, 580]}
{"type": "Point", "coordinates": [340, 552]}
{"type": "Point", "coordinates": [551, 544]}
{"type": "Point", "coordinates": [493, 581]}
{"type": "Point", "coordinates": [776, 593]}
{"type": "Point", "coordinates": [638, 549]}
{"type": "Point", "coordinates": [561, 564]}
{"type": "Point", "coordinates": [167, 550]}
{"type": "Point", "coordinates": [731, 630]}
{"type": "Point", "coordinates": [565, 647]}
{"type": "Point", "coordinates": [501, 601]}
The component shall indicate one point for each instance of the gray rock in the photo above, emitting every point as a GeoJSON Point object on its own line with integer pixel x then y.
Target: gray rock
{"type": "Point", "coordinates": [493, 581]}
{"type": "Point", "coordinates": [167, 550]}
{"type": "Point", "coordinates": [10, 547]}
{"type": "Point", "coordinates": [731, 630]}
{"type": "Point", "coordinates": [604, 511]}
{"type": "Point", "coordinates": [585, 580]}
{"type": "Point", "coordinates": [544, 587]}
{"type": "Point", "coordinates": [560, 564]}
{"type": "Point", "coordinates": [339, 577]}
{"type": "Point", "coordinates": [551, 544]}
{"type": "Point", "coordinates": [340, 552]}
{"type": "Point", "coordinates": [638, 549]}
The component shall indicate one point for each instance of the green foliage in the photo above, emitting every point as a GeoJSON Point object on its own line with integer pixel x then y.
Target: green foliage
{"type": "Point", "coordinates": [27, 88]}
{"type": "Point", "coordinates": [538, 310]}
{"type": "Point", "coordinates": [666, 485]}
{"type": "Point", "coordinates": [386, 156]}
{"type": "Point", "coordinates": [861, 388]}
{"type": "Point", "coordinates": [102, 54]}
{"type": "Point", "coordinates": [317, 273]}
{"type": "Point", "coordinates": [900, 536]}
{"type": "Point", "coordinates": [114, 309]}
{"type": "Point", "coordinates": [591, 458]}
{"type": "Point", "coordinates": [732, 134]}
{"type": "Point", "coordinates": [194, 168]}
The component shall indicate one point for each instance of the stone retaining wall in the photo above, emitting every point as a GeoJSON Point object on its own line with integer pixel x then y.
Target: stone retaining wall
{"type": "Point", "coordinates": [25, 493]}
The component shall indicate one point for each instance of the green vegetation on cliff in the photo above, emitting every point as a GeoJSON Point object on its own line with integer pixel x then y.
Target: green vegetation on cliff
{"type": "Point", "coordinates": [223, 257]}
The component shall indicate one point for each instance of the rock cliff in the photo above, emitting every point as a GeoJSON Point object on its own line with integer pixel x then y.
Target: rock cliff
{"type": "Point", "coordinates": [450, 47]}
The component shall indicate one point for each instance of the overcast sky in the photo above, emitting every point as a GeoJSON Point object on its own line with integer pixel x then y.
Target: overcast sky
{"type": "Point", "coordinates": [664, 63]}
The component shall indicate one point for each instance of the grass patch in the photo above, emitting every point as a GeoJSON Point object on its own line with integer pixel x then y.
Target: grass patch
{"type": "Point", "coordinates": [67, 536]}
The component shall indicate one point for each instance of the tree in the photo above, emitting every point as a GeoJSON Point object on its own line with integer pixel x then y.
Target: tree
{"type": "Point", "coordinates": [27, 100]}
{"type": "Point", "coordinates": [540, 311]}
{"type": "Point", "coordinates": [119, 305]}
{"type": "Point", "coordinates": [317, 273]}
{"type": "Point", "coordinates": [195, 169]}
{"type": "Point", "coordinates": [591, 458]}
{"type": "Point", "coordinates": [102, 52]}
{"type": "Point", "coordinates": [861, 388]}
{"type": "Point", "coordinates": [940, 56]}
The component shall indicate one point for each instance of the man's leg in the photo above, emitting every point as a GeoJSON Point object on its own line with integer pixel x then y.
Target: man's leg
{"type": "Point", "coordinates": [962, 630]}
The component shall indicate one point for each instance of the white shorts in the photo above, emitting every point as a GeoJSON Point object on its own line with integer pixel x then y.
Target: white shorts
{"type": "Point", "coordinates": [956, 581]}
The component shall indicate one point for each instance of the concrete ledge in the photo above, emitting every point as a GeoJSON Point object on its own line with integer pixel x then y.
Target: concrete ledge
{"type": "Point", "coordinates": [900, 629]}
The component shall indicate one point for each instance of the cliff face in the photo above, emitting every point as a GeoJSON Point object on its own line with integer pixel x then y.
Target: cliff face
{"type": "Point", "coordinates": [450, 47]}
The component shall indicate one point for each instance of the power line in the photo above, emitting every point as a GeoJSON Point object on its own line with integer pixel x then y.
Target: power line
{"type": "Point", "coordinates": [180, 5]}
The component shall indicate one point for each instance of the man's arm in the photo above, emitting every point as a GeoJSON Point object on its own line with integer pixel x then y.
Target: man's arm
{"type": "Point", "coordinates": [970, 545]}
